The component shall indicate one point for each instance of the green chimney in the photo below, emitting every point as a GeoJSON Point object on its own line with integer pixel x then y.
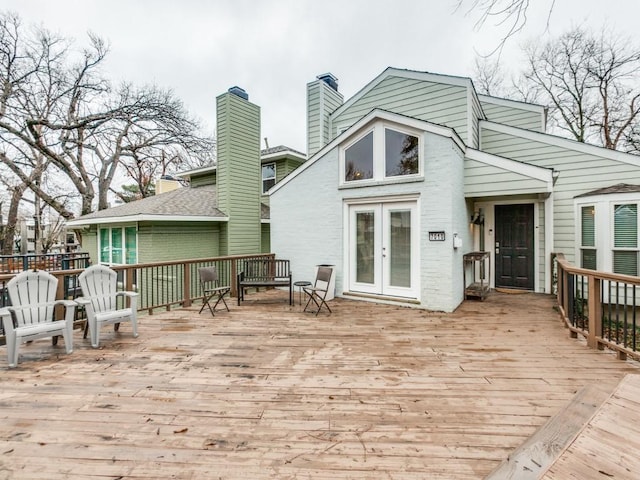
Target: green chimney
{"type": "Point", "coordinates": [238, 172]}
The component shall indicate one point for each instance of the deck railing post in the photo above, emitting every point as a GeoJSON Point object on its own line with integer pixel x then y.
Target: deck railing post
{"type": "Point", "coordinates": [595, 311]}
{"type": "Point", "coordinates": [234, 276]}
{"type": "Point", "coordinates": [186, 273]}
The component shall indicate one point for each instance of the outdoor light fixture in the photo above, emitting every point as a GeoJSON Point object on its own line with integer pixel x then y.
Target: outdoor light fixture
{"type": "Point", "coordinates": [477, 218]}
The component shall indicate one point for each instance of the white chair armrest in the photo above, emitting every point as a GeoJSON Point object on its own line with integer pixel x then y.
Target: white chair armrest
{"type": "Point", "coordinates": [127, 294]}
{"type": "Point", "coordinates": [65, 303]}
{"type": "Point", "coordinates": [83, 301]}
{"type": "Point", "coordinates": [4, 312]}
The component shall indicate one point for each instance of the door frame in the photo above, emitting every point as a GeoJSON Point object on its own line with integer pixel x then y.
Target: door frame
{"type": "Point", "coordinates": [489, 235]}
{"type": "Point", "coordinates": [411, 293]}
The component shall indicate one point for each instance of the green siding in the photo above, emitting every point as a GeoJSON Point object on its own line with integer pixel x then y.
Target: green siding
{"type": "Point", "coordinates": [164, 241]}
{"type": "Point", "coordinates": [433, 102]}
{"type": "Point", "coordinates": [204, 179]}
{"type": "Point", "coordinates": [578, 173]}
{"type": "Point", "coordinates": [239, 173]}
{"type": "Point", "coordinates": [266, 238]}
{"type": "Point", "coordinates": [322, 100]}
{"type": "Point", "coordinates": [90, 244]}
{"type": "Point", "coordinates": [482, 180]}
{"type": "Point", "coordinates": [514, 116]}
{"type": "Point", "coordinates": [477, 114]}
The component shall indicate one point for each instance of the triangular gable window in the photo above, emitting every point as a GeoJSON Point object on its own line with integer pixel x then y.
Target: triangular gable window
{"type": "Point", "coordinates": [383, 152]}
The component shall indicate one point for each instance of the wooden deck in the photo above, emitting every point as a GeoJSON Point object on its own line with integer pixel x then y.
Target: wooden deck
{"type": "Point", "coordinates": [266, 391]}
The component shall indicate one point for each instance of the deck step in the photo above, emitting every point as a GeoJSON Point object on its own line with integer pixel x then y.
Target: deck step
{"type": "Point", "coordinates": [534, 456]}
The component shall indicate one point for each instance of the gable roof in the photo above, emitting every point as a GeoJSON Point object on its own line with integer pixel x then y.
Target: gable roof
{"type": "Point", "coordinates": [569, 144]}
{"type": "Point", "coordinates": [280, 149]}
{"type": "Point", "coordinates": [413, 74]}
{"type": "Point", "coordinates": [375, 115]}
{"type": "Point", "coordinates": [613, 189]}
{"type": "Point", "coordinates": [180, 205]}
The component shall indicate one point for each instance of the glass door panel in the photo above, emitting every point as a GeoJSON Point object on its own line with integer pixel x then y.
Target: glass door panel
{"type": "Point", "coordinates": [400, 248]}
{"type": "Point", "coordinates": [383, 249]}
{"type": "Point", "coordinates": [365, 246]}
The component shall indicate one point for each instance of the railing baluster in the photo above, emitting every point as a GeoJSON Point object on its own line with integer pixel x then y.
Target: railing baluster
{"type": "Point", "coordinates": [611, 313]}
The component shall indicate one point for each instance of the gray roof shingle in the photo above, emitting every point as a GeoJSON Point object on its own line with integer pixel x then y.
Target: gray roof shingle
{"type": "Point", "coordinates": [187, 202]}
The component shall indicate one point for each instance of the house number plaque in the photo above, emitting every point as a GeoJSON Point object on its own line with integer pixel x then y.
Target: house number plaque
{"type": "Point", "coordinates": [436, 236]}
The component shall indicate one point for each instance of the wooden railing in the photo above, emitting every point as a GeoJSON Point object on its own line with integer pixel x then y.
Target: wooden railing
{"type": "Point", "coordinates": [44, 261]}
{"type": "Point", "coordinates": [159, 285]}
{"type": "Point", "coordinates": [603, 307]}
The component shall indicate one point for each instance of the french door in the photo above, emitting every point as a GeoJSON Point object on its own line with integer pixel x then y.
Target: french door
{"type": "Point", "coordinates": [383, 249]}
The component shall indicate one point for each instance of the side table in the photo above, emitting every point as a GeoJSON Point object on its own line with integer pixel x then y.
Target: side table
{"type": "Point", "coordinates": [301, 284]}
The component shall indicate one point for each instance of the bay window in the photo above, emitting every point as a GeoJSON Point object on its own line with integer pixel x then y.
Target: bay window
{"type": "Point", "coordinates": [625, 239]}
{"type": "Point", "coordinates": [588, 238]}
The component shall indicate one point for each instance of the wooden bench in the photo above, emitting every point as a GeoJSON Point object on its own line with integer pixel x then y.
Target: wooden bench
{"type": "Point", "coordinates": [264, 272]}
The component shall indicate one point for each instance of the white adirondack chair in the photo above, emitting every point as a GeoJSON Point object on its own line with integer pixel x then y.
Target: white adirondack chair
{"type": "Point", "coordinates": [31, 315]}
{"type": "Point", "coordinates": [99, 290]}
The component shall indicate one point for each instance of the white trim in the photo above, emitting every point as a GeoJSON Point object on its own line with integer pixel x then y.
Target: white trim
{"type": "Point", "coordinates": [381, 206]}
{"type": "Point", "coordinates": [275, 177]}
{"type": "Point", "coordinates": [282, 154]}
{"type": "Point", "coordinates": [489, 233]}
{"type": "Point", "coordinates": [378, 166]}
{"type": "Point", "coordinates": [604, 205]}
{"type": "Point", "coordinates": [145, 218]}
{"type": "Point", "coordinates": [549, 245]}
{"type": "Point", "coordinates": [197, 171]}
{"type": "Point", "coordinates": [374, 115]}
{"type": "Point", "coordinates": [563, 143]}
{"type": "Point", "coordinates": [532, 171]}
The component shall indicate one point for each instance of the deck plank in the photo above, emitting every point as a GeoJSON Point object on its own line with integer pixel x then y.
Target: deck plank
{"type": "Point", "coordinates": [267, 391]}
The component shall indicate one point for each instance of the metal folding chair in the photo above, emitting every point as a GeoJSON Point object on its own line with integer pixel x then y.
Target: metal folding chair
{"type": "Point", "coordinates": [210, 283]}
{"type": "Point", "coordinates": [318, 292]}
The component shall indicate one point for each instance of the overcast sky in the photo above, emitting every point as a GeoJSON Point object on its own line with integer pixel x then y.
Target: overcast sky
{"type": "Point", "coordinates": [273, 48]}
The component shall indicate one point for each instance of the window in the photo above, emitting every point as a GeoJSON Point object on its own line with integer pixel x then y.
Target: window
{"type": "Point", "coordinates": [382, 153]}
{"type": "Point", "coordinates": [588, 237]}
{"type": "Point", "coordinates": [401, 153]}
{"type": "Point", "coordinates": [268, 176]}
{"type": "Point", "coordinates": [118, 245]}
{"type": "Point", "coordinates": [625, 239]}
{"type": "Point", "coordinates": [358, 159]}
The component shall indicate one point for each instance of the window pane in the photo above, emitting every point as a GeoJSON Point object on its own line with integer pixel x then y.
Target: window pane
{"type": "Point", "coordinates": [358, 159]}
{"type": "Point", "coordinates": [130, 244]}
{"type": "Point", "coordinates": [365, 238]}
{"type": "Point", "coordinates": [625, 263]}
{"type": "Point", "coordinates": [401, 153]}
{"type": "Point", "coordinates": [400, 246]}
{"type": "Point", "coordinates": [116, 245]}
{"type": "Point", "coordinates": [589, 259]}
{"type": "Point", "coordinates": [105, 249]}
{"type": "Point", "coordinates": [588, 227]}
{"type": "Point", "coordinates": [268, 176]}
{"type": "Point", "coordinates": [626, 226]}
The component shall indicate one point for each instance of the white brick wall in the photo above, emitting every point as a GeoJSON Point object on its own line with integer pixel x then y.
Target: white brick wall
{"type": "Point", "coordinates": [307, 220]}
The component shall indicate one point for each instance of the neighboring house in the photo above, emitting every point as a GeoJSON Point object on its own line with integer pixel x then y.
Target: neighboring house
{"type": "Point", "coordinates": [417, 169]}
{"type": "Point", "coordinates": [223, 212]}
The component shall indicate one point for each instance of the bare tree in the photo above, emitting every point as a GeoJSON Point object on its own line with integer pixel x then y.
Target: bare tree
{"type": "Point", "coordinates": [57, 110]}
{"type": "Point", "coordinates": [511, 14]}
{"type": "Point", "coordinates": [488, 76]}
{"type": "Point", "coordinates": [590, 82]}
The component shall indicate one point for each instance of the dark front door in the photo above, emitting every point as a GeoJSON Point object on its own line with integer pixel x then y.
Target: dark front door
{"type": "Point", "coordinates": [514, 246]}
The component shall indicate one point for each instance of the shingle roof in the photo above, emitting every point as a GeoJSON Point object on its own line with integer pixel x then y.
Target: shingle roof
{"type": "Point", "coordinates": [618, 188]}
{"type": "Point", "coordinates": [184, 202]}
{"type": "Point", "coordinates": [278, 149]}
